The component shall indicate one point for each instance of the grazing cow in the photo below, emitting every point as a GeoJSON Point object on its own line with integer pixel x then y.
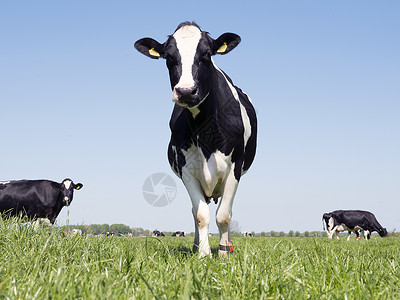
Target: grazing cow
{"type": "Point", "coordinates": [36, 199]}
{"type": "Point", "coordinates": [76, 232]}
{"type": "Point", "coordinates": [157, 233]}
{"type": "Point", "coordinates": [352, 221]}
{"type": "Point", "coordinates": [213, 126]}
{"type": "Point", "coordinates": [247, 234]}
{"type": "Point", "coordinates": [179, 233]}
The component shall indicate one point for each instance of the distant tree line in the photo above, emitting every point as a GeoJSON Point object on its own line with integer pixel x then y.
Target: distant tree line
{"type": "Point", "coordinates": [116, 229]}
{"type": "Point", "coordinates": [124, 230]}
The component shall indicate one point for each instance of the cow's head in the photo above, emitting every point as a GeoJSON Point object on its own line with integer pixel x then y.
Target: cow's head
{"type": "Point", "coordinates": [382, 232]}
{"type": "Point", "coordinates": [188, 54]}
{"type": "Point", "coordinates": [67, 190]}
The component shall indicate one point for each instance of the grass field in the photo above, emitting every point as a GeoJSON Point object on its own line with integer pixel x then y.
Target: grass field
{"type": "Point", "coordinates": [39, 265]}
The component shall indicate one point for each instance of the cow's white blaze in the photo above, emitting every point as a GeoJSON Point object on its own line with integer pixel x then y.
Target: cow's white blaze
{"type": "Point", "coordinates": [67, 184]}
{"type": "Point", "coordinates": [187, 39]}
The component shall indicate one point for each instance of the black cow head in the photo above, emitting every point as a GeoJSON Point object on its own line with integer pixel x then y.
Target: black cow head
{"type": "Point", "coordinates": [382, 232]}
{"type": "Point", "coordinates": [67, 190]}
{"type": "Point", "coordinates": [188, 54]}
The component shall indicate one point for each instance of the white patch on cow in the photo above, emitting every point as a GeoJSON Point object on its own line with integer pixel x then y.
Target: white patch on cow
{"type": "Point", "coordinates": [340, 228]}
{"type": "Point", "coordinates": [4, 182]}
{"type": "Point", "coordinates": [331, 223]}
{"type": "Point", "coordinates": [187, 38]}
{"type": "Point", "coordinates": [194, 110]}
{"type": "Point", "coordinates": [40, 221]}
{"type": "Point", "coordinates": [224, 210]}
{"type": "Point", "coordinates": [67, 184]}
{"type": "Point", "coordinates": [243, 113]}
{"type": "Point", "coordinates": [176, 160]}
{"type": "Point", "coordinates": [211, 173]}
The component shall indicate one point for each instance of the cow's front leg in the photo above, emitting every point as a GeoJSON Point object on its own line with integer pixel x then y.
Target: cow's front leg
{"type": "Point", "coordinates": [224, 214]}
{"type": "Point", "coordinates": [201, 215]}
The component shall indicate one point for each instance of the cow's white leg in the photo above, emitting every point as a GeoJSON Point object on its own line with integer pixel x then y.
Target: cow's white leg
{"type": "Point", "coordinates": [224, 211]}
{"type": "Point", "coordinates": [40, 221]}
{"type": "Point", "coordinates": [348, 235]}
{"type": "Point", "coordinates": [366, 234]}
{"type": "Point", "coordinates": [331, 232]}
{"type": "Point", "coordinates": [330, 228]}
{"type": "Point", "coordinates": [201, 215]}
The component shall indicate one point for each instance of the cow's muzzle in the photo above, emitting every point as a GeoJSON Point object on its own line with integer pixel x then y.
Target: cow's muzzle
{"type": "Point", "coordinates": [186, 96]}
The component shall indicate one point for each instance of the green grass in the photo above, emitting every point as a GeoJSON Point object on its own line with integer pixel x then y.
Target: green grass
{"type": "Point", "coordinates": [39, 265]}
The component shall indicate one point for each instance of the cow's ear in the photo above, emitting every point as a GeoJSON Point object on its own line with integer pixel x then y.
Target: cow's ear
{"type": "Point", "coordinates": [150, 48]}
{"type": "Point", "coordinates": [225, 43]}
{"type": "Point", "coordinates": [78, 186]}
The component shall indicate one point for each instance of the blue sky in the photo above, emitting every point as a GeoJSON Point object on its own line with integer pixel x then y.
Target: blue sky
{"type": "Point", "coordinates": [77, 100]}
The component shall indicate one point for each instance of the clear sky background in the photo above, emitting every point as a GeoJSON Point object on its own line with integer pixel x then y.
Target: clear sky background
{"type": "Point", "coordinates": [77, 100]}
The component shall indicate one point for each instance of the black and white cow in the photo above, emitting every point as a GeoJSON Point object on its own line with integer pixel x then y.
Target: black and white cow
{"type": "Point", "coordinates": [36, 199]}
{"type": "Point", "coordinates": [179, 233]}
{"type": "Point", "coordinates": [213, 125]}
{"type": "Point", "coordinates": [352, 221]}
{"type": "Point", "coordinates": [157, 233]}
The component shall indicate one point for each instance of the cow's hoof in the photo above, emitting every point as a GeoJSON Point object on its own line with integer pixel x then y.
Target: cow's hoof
{"type": "Point", "coordinates": [224, 250]}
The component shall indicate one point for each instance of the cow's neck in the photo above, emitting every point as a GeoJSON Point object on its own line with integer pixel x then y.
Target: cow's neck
{"type": "Point", "coordinates": [58, 205]}
{"type": "Point", "coordinates": [216, 100]}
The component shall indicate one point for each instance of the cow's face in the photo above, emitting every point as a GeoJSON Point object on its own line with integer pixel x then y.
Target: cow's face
{"type": "Point", "coordinates": [382, 232]}
{"type": "Point", "coordinates": [67, 190]}
{"type": "Point", "coordinates": [188, 54]}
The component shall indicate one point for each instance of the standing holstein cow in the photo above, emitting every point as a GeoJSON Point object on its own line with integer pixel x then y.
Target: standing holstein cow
{"type": "Point", "coordinates": [36, 199]}
{"type": "Point", "coordinates": [213, 126]}
{"type": "Point", "coordinates": [353, 221]}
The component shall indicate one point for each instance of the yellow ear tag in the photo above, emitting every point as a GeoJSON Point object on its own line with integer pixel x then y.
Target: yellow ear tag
{"type": "Point", "coordinates": [154, 52]}
{"type": "Point", "coordinates": [223, 48]}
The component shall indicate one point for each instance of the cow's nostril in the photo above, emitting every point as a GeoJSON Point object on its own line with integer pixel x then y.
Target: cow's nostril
{"type": "Point", "coordinates": [186, 93]}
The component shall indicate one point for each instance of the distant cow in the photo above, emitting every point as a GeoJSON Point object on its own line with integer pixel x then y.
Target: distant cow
{"type": "Point", "coordinates": [352, 221]}
{"type": "Point", "coordinates": [76, 231]}
{"type": "Point", "coordinates": [36, 198]}
{"type": "Point", "coordinates": [247, 234]}
{"type": "Point", "coordinates": [179, 233]}
{"type": "Point", "coordinates": [157, 233]}
{"type": "Point", "coordinates": [213, 126]}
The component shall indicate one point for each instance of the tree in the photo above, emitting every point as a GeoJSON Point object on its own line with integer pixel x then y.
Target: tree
{"type": "Point", "coordinates": [272, 233]}
{"type": "Point", "coordinates": [306, 234]}
{"type": "Point", "coordinates": [291, 233]}
{"type": "Point", "coordinates": [262, 233]}
{"type": "Point", "coordinates": [234, 226]}
{"type": "Point", "coordinates": [297, 234]}
{"type": "Point", "coordinates": [120, 229]}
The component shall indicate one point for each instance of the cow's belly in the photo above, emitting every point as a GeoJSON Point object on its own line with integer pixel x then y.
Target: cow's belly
{"type": "Point", "coordinates": [210, 173]}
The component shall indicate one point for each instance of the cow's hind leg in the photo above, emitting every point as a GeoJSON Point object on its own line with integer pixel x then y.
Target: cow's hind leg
{"type": "Point", "coordinates": [224, 214]}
